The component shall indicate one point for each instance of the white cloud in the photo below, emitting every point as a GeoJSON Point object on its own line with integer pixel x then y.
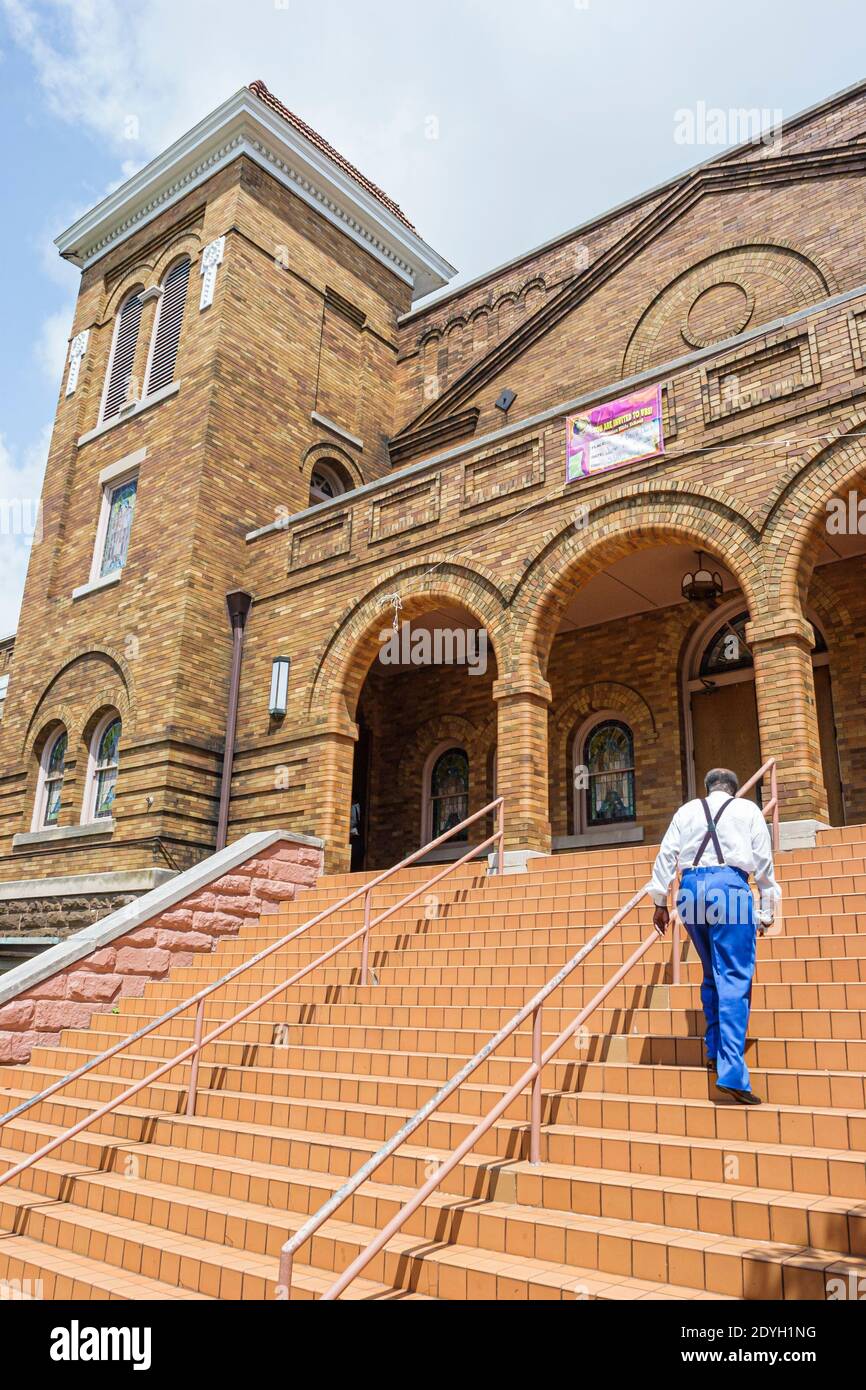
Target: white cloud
{"type": "Point", "coordinates": [52, 342]}
{"type": "Point", "coordinates": [20, 491]}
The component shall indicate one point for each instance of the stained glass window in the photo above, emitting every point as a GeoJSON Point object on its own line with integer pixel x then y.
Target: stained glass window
{"type": "Point", "coordinates": [53, 785]}
{"type": "Point", "coordinates": [106, 771]}
{"type": "Point", "coordinates": [609, 759]}
{"type": "Point", "coordinates": [449, 793]}
{"type": "Point", "coordinates": [121, 507]}
{"type": "Point", "coordinates": [728, 650]}
{"type": "Point", "coordinates": [326, 482]}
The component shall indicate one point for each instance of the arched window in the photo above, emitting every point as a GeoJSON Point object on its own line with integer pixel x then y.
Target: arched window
{"type": "Point", "coordinates": [449, 793]}
{"type": "Point", "coordinates": [48, 793]}
{"type": "Point", "coordinates": [326, 481]}
{"type": "Point", "coordinates": [122, 356]}
{"type": "Point", "coordinates": [166, 329]}
{"type": "Point", "coordinates": [102, 773]}
{"type": "Point", "coordinates": [728, 651]}
{"type": "Point", "coordinates": [608, 756]}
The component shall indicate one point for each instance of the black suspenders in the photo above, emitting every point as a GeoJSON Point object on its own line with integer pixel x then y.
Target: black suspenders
{"type": "Point", "coordinates": [712, 833]}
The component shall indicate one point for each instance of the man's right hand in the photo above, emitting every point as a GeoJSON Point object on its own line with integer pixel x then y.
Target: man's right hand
{"type": "Point", "coordinates": [661, 920]}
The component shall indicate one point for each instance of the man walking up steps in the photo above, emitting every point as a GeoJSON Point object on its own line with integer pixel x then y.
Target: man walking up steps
{"type": "Point", "coordinates": [715, 843]}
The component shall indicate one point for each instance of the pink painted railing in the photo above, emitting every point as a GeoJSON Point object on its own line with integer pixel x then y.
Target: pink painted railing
{"type": "Point", "coordinates": [192, 1054]}
{"type": "Point", "coordinates": [530, 1077]}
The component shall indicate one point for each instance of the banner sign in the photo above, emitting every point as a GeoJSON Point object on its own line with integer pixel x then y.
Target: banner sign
{"type": "Point", "coordinates": [612, 435]}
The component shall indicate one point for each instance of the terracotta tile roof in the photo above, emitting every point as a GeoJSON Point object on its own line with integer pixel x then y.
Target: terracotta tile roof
{"type": "Point", "coordinates": [259, 89]}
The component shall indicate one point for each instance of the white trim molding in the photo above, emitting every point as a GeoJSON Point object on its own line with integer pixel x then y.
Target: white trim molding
{"type": "Point", "coordinates": [128, 464]}
{"type": "Point", "coordinates": [94, 586]}
{"type": "Point", "coordinates": [110, 479]}
{"type": "Point", "coordinates": [62, 832]}
{"type": "Point", "coordinates": [40, 801]}
{"type": "Point", "coordinates": [77, 352]}
{"type": "Point", "coordinates": [83, 885]}
{"type": "Point", "coordinates": [91, 780]}
{"type": "Point", "coordinates": [336, 429]}
{"type": "Point", "coordinates": [130, 413]}
{"type": "Point", "coordinates": [211, 260]}
{"type": "Point", "coordinates": [245, 126]}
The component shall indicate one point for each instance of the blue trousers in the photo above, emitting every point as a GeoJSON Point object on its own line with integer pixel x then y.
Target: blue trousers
{"type": "Point", "coordinates": [717, 910]}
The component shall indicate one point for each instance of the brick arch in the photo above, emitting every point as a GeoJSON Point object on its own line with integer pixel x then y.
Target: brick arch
{"type": "Point", "coordinates": [149, 270]}
{"type": "Point", "coordinates": [51, 714]}
{"type": "Point", "coordinates": [188, 243]}
{"type": "Point", "coordinates": [795, 517]}
{"type": "Point", "coordinates": [601, 695]}
{"type": "Point", "coordinates": [116, 692]}
{"type": "Point", "coordinates": [596, 697]}
{"type": "Point", "coordinates": [827, 606]}
{"type": "Point", "coordinates": [638, 517]}
{"type": "Point", "coordinates": [325, 449]}
{"type": "Point", "coordinates": [134, 279]}
{"type": "Point", "coordinates": [478, 740]}
{"type": "Point", "coordinates": [805, 278]}
{"type": "Point", "coordinates": [342, 668]}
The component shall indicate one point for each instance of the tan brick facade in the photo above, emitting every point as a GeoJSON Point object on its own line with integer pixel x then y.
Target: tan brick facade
{"type": "Point", "coordinates": [310, 352]}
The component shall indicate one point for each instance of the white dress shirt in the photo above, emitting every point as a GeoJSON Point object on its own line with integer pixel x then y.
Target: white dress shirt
{"type": "Point", "coordinates": [743, 835]}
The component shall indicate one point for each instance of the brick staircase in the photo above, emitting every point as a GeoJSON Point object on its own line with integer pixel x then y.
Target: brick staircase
{"type": "Point", "coordinates": [649, 1188]}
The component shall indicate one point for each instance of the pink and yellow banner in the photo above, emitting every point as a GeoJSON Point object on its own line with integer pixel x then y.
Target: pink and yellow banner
{"type": "Point", "coordinates": [612, 435]}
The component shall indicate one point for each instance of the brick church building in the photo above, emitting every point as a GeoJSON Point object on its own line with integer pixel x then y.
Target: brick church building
{"type": "Point", "coordinates": [263, 403]}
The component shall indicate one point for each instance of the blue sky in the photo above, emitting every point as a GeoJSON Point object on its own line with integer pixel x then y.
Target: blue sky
{"type": "Point", "coordinates": [495, 124]}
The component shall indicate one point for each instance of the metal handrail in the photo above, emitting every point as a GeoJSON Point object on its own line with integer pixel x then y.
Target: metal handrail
{"type": "Point", "coordinates": [531, 1076]}
{"type": "Point", "coordinates": [193, 1052]}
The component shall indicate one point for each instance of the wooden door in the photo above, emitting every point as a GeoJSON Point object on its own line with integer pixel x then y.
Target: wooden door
{"type": "Point", "coordinates": [829, 750]}
{"type": "Point", "coordinates": [725, 727]}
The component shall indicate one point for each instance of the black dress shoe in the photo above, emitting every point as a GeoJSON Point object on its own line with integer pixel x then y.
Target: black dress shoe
{"type": "Point", "coordinates": [741, 1097]}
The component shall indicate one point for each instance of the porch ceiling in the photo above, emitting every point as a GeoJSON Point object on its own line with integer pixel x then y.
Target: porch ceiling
{"type": "Point", "coordinates": [652, 578]}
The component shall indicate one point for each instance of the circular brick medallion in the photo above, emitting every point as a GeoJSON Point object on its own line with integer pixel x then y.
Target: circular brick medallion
{"type": "Point", "coordinates": [720, 311]}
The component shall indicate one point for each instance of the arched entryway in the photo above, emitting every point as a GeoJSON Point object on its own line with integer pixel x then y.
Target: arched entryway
{"type": "Point", "coordinates": [428, 721]}
{"type": "Point", "coordinates": [721, 710]}
{"type": "Point", "coordinates": [411, 670]}
{"type": "Point", "coordinates": [617, 747]}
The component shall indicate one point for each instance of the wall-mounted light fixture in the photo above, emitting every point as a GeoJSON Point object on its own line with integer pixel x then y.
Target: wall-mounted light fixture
{"type": "Point", "coordinates": [279, 702]}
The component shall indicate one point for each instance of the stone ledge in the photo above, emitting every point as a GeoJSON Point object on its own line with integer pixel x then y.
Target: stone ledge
{"type": "Point", "coordinates": [62, 832]}
{"type": "Point", "coordinates": [95, 586]}
{"type": "Point", "coordinates": [82, 885]}
{"type": "Point", "coordinates": [602, 838]}
{"type": "Point", "coordinates": [130, 414]}
{"type": "Point", "coordinates": [800, 834]}
{"type": "Point", "coordinates": [249, 855]}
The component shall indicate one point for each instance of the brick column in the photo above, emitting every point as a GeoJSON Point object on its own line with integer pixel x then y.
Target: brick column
{"type": "Point", "coordinates": [334, 759]}
{"type": "Point", "coordinates": [522, 761]}
{"type": "Point", "coordinates": [785, 691]}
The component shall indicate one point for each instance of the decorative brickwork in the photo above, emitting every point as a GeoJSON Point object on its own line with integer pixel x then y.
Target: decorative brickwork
{"type": "Point", "coordinates": [169, 938]}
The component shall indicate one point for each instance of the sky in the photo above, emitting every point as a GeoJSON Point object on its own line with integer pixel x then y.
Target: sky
{"type": "Point", "coordinates": [494, 124]}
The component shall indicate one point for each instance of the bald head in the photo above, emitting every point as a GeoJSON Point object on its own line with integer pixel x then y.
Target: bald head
{"type": "Point", "coordinates": [721, 779]}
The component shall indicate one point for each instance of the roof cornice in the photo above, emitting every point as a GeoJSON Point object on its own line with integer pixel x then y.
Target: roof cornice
{"type": "Point", "coordinates": [684, 194]}
{"type": "Point", "coordinates": [745, 148]}
{"type": "Point", "coordinates": [245, 125]}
